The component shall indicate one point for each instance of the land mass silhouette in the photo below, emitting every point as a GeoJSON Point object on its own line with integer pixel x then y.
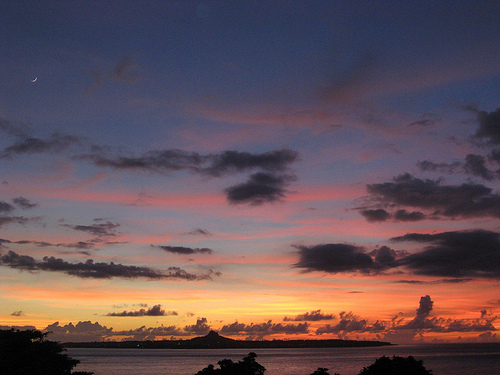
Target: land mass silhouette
{"type": "Point", "coordinates": [215, 341]}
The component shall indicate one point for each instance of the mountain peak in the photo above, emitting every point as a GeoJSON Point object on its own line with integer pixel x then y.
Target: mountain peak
{"type": "Point", "coordinates": [212, 334]}
{"type": "Point", "coordinates": [212, 339]}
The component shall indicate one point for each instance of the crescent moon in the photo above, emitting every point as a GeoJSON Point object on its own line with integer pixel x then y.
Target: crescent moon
{"type": "Point", "coordinates": [34, 80]}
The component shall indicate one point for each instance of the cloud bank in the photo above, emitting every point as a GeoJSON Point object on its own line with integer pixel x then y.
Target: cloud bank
{"type": "Point", "coordinates": [156, 310]}
{"type": "Point", "coordinates": [100, 270]}
{"type": "Point", "coordinates": [259, 189]}
{"type": "Point", "coordinates": [468, 200]}
{"type": "Point", "coordinates": [260, 330]}
{"type": "Point", "coordinates": [184, 250]}
{"type": "Point", "coordinates": [340, 258]}
{"type": "Point", "coordinates": [459, 254]}
{"type": "Point", "coordinates": [312, 316]}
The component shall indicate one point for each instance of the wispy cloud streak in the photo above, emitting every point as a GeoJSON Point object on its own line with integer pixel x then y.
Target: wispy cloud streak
{"type": "Point", "coordinates": [100, 270]}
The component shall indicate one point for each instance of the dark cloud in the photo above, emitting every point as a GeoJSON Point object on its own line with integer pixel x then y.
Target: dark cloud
{"type": "Point", "coordinates": [312, 316]}
{"type": "Point", "coordinates": [459, 256]}
{"type": "Point", "coordinates": [18, 313]}
{"type": "Point", "coordinates": [381, 215]}
{"type": "Point", "coordinates": [26, 242]}
{"type": "Point", "coordinates": [83, 245]}
{"type": "Point", "coordinates": [184, 250]}
{"type": "Point", "coordinates": [385, 257]}
{"type": "Point", "coordinates": [234, 161]}
{"type": "Point", "coordinates": [88, 331]}
{"type": "Point", "coordinates": [150, 333]}
{"type": "Point", "coordinates": [421, 320]}
{"type": "Point", "coordinates": [463, 325]}
{"type": "Point", "coordinates": [474, 165]}
{"type": "Point", "coordinates": [351, 323]}
{"type": "Point", "coordinates": [489, 125]}
{"type": "Point", "coordinates": [219, 164]}
{"type": "Point", "coordinates": [81, 332]}
{"type": "Point", "coordinates": [153, 311]}
{"type": "Point", "coordinates": [199, 232]}
{"type": "Point", "coordinates": [399, 328]}
{"type": "Point", "coordinates": [403, 215]}
{"type": "Point", "coordinates": [430, 166]}
{"type": "Point", "coordinates": [335, 258]}
{"type": "Point", "coordinates": [259, 189]}
{"type": "Point", "coordinates": [376, 215]}
{"type": "Point", "coordinates": [260, 330]}
{"type": "Point", "coordinates": [216, 165]}
{"type": "Point", "coordinates": [107, 229]}
{"type": "Point", "coordinates": [178, 273]}
{"type": "Point", "coordinates": [56, 143]}
{"type": "Point", "coordinates": [101, 270]}
{"type": "Point", "coordinates": [455, 254]}
{"type": "Point", "coordinates": [424, 308]}
{"type": "Point", "coordinates": [24, 203]}
{"type": "Point", "coordinates": [494, 156]}
{"type": "Point", "coordinates": [23, 262]}
{"type": "Point", "coordinates": [6, 207]}
{"type": "Point", "coordinates": [466, 200]}
{"type": "Point", "coordinates": [200, 328]}
{"type": "Point", "coordinates": [156, 161]}
{"type": "Point", "coordinates": [436, 324]}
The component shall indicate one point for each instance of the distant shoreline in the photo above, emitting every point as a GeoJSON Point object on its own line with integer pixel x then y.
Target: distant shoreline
{"type": "Point", "coordinates": [214, 341]}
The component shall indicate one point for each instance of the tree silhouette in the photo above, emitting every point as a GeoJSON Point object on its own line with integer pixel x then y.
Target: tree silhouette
{"type": "Point", "coordinates": [382, 366]}
{"type": "Point", "coordinates": [249, 366]}
{"type": "Point", "coordinates": [29, 352]}
{"type": "Point", "coordinates": [396, 366]}
{"type": "Point", "coordinates": [322, 371]}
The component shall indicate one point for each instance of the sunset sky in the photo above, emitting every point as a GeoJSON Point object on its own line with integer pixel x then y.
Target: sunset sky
{"type": "Point", "coordinates": [265, 169]}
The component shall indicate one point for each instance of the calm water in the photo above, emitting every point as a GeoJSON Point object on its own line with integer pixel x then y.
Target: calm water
{"type": "Point", "coordinates": [443, 359]}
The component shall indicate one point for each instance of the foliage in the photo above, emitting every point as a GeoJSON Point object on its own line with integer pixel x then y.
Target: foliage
{"type": "Point", "coordinates": [396, 366]}
{"type": "Point", "coordinates": [322, 371]}
{"type": "Point", "coordinates": [382, 366]}
{"type": "Point", "coordinates": [249, 366]}
{"type": "Point", "coordinates": [29, 352]}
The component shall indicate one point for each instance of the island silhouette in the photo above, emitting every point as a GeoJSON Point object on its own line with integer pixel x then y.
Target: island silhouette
{"type": "Point", "coordinates": [215, 341]}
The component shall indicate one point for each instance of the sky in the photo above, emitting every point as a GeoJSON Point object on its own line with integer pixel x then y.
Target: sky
{"type": "Point", "coordinates": [268, 170]}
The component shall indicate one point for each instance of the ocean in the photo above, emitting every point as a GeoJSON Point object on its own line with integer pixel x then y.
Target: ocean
{"type": "Point", "coordinates": [442, 359]}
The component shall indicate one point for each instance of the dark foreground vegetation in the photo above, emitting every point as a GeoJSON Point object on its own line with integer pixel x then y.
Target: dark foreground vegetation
{"type": "Point", "coordinates": [382, 366]}
{"type": "Point", "coordinates": [30, 353]}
